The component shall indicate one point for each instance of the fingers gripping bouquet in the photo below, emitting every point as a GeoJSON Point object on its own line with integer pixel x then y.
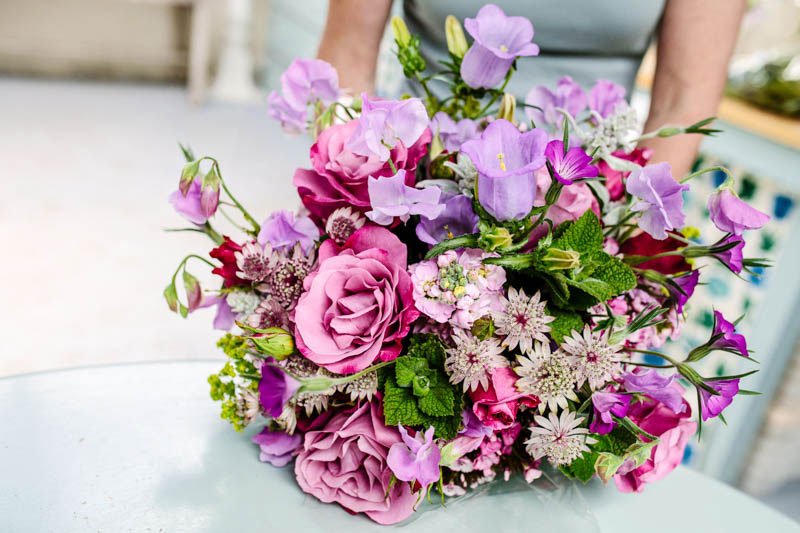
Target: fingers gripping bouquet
{"type": "Point", "coordinates": [469, 289]}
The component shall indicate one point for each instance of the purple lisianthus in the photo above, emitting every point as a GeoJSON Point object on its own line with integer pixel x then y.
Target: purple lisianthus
{"type": "Point", "coordinates": [570, 166]}
{"type": "Point", "coordinates": [687, 284]}
{"type": "Point", "coordinates": [384, 123]}
{"type": "Point", "coordinates": [506, 160]}
{"type": "Point", "coordinates": [275, 388]}
{"type": "Point", "coordinates": [391, 197]}
{"type": "Point", "coordinates": [658, 387]}
{"type": "Point", "coordinates": [730, 340]}
{"type": "Point", "coordinates": [606, 97]}
{"type": "Point", "coordinates": [458, 218]}
{"type": "Point", "coordinates": [277, 447]}
{"type": "Point", "coordinates": [283, 230]}
{"type": "Point", "coordinates": [711, 404]}
{"type": "Point", "coordinates": [568, 96]}
{"type": "Point", "coordinates": [453, 134]}
{"type": "Point", "coordinates": [499, 40]}
{"type": "Point", "coordinates": [198, 205]}
{"type": "Point", "coordinates": [730, 214]}
{"type": "Point", "coordinates": [733, 257]}
{"type": "Point", "coordinates": [607, 405]}
{"type": "Point", "coordinates": [660, 199]}
{"type": "Point", "coordinates": [415, 459]}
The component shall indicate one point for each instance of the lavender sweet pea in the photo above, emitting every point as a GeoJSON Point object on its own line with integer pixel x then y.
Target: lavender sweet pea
{"type": "Point", "coordinates": [277, 447]}
{"type": "Point", "coordinates": [568, 167]}
{"type": "Point", "coordinates": [391, 197]}
{"type": "Point", "coordinates": [293, 121]}
{"type": "Point", "coordinates": [499, 40]}
{"type": "Point", "coordinates": [568, 96]}
{"type": "Point", "coordinates": [275, 388]}
{"type": "Point", "coordinates": [506, 160]}
{"type": "Point", "coordinates": [304, 82]}
{"type": "Point", "coordinates": [606, 97]}
{"type": "Point", "coordinates": [195, 206]}
{"type": "Point", "coordinates": [730, 340]}
{"type": "Point", "coordinates": [415, 459]}
{"type": "Point", "coordinates": [607, 405]}
{"type": "Point", "coordinates": [384, 123]}
{"type": "Point", "coordinates": [283, 230]}
{"type": "Point", "coordinates": [712, 405]}
{"type": "Point", "coordinates": [660, 199]}
{"type": "Point", "coordinates": [458, 218]}
{"type": "Point", "coordinates": [730, 214]}
{"type": "Point", "coordinates": [453, 134]}
{"type": "Point", "coordinates": [657, 387]}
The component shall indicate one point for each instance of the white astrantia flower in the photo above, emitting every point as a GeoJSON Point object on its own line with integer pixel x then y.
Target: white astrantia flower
{"type": "Point", "coordinates": [558, 438]}
{"type": "Point", "coordinates": [253, 262]}
{"type": "Point", "coordinates": [472, 360]}
{"type": "Point", "coordinates": [248, 405]}
{"type": "Point", "coordinates": [362, 388]}
{"type": "Point", "coordinates": [548, 376]}
{"type": "Point", "coordinates": [342, 223]}
{"type": "Point", "coordinates": [593, 358]}
{"type": "Point", "coordinates": [243, 302]}
{"type": "Point", "coordinates": [522, 320]}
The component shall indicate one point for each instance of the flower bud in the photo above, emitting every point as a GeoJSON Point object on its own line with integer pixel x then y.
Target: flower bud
{"type": "Point", "coordinates": [456, 42]}
{"type": "Point", "coordinates": [194, 294]}
{"type": "Point", "coordinates": [669, 132]}
{"type": "Point", "coordinates": [496, 238]}
{"type": "Point", "coordinates": [189, 172]}
{"type": "Point", "coordinates": [483, 328]}
{"type": "Point", "coordinates": [317, 384]}
{"type": "Point", "coordinates": [400, 32]}
{"type": "Point", "coordinates": [171, 296]}
{"type": "Point", "coordinates": [209, 195]}
{"type": "Point", "coordinates": [557, 259]}
{"type": "Point", "coordinates": [275, 342]}
{"type": "Point", "coordinates": [508, 104]}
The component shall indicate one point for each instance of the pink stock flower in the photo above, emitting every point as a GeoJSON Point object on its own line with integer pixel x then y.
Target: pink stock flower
{"type": "Point", "coordinates": [339, 176]}
{"type": "Point", "coordinates": [358, 304]}
{"type": "Point", "coordinates": [346, 462]}
{"type": "Point", "coordinates": [497, 406]}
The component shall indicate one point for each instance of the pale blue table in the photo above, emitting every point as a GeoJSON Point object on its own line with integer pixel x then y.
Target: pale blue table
{"type": "Point", "coordinates": [140, 447]}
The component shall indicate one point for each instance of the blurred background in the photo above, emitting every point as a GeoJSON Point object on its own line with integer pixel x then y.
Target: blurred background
{"type": "Point", "coordinates": [96, 94]}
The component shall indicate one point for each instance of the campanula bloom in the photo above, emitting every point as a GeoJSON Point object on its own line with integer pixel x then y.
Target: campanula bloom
{"type": "Point", "coordinates": [732, 215]}
{"type": "Point", "coordinates": [391, 197]}
{"type": "Point", "coordinates": [568, 167]}
{"type": "Point", "coordinates": [416, 458]}
{"type": "Point", "coordinates": [385, 123]}
{"type": "Point", "coordinates": [457, 218]}
{"type": "Point", "coordinates": [660, 199]}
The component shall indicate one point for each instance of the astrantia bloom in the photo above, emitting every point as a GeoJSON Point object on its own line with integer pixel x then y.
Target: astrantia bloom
{"type": "Point", "coordinates": [384, 123]}
{"type": "Point", "coordinates": [499, 40]}
{"type": "Point", "coordinates": [363, 388]}
{"type": "Point", "coordinates": [568, 167]}
{"type": "Point", "coordinates": [282, 229]}
{"type": "Point", "coordinates": [730, 340]}
{"type": "Point", "coordinates": [391, 197]}
{"type": "Point", "coordinates": [558, 438]}
{"type": "Point", "coordinates": [416, 458]}
{"type": "Point", "coordinates": [568, 96]}
{"type": "Point", "coordinates": [607, 405]}
{"type": "Point", "coordinates": [288, 269]}
{"type": "Point", "coordinates": [456, 219]}
{"type": "Point", "coordinates": [712, 405]}
{"type": "Point", "coordinates": [342, 223]}
{"type": "Point", "coordinates": [453, 134]}
{"type": "Point", "coordinates": [471, 360]}
{"type": "Point", "coordinates": [660, 199]}
{"type": "Point", "coordinates": [522, 320]}
{"type": "Point", "coordinates": [548, 376]}
{"type": "Point", "coordinates": [506, 160]}
{"type": "Point", "coordinates": [730, 214]}
{"type": "Point", "coordinates": [593, 358]}
{"type": "Point", "coordinates": [605, 97]}
{"type": "Point", "coordinates": [253, 262]}
{"type": "Point", "coordinates": [268, 314]}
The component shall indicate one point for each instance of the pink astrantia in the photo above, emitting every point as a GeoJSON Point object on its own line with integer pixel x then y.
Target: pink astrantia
{"type": "Point", "coordinates": [416, 458]}
{"type": "Point", "coordinates": [385, 123]}
{"type": "Point", "coordinates": [730, 214]}
{"type": "Point", "coordinates": [391, 198]}
{"type": "Point", "coordinates": [568, 96]}
{"type": "Point", "coordinates": [660, 199]}
{"type": "Point", "coordinates": [282, 229]}
{"type": "Point", "coordinates": [568, 167]}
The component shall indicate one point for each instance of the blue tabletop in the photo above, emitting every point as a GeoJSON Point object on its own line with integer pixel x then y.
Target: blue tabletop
{"type": "Point", "coordinates": [141, 447]}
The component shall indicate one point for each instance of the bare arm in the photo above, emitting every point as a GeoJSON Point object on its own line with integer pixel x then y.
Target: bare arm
{"type": "Point", "coordinates": [694, 46]}
{"type": "Point", "coordinates": [351, 38]}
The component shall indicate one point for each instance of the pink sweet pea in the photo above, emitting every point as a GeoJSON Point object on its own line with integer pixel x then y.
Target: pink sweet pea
{"type": "Point", "coordinates": [385, 123]}
{"type": "Point", "coordinates": [391, 198]}
{"type": "Point", "coordinates": [660, 199]}
{"type": "Point", "coordinates": [498, 406]}
{"type": "Point", "coordinates": [277, 447]}
{"type": "Point", "coordinates": [416, 458]}
{"type": "Point", "coordinates": [198, 205]}
{"type": "Point", "coordinates": [283, 230]}
{"type": "Point", "coordinates": [730, 214]}
{"type": "Point", "coordinates": [606, 97]}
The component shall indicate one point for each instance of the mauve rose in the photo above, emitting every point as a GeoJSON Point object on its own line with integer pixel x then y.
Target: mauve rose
{"type": "Point", "coordinates": [673, 431]}
{"type": "Point", "coordinates": [358, 304]}
{"type": "Point", "coordinates": [497, 407]}
{"type": "Point", "coordinates": [345, 462]}
{"type": "Point", "coordinates": [339, 177]}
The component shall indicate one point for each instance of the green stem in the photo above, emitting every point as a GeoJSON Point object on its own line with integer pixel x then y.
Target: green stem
{"type": "Point", "coordinates": [705, 170]}
{"type": "Point", "coordinates": [212, 233]}
{"type": "Point", "coordinates": [239, 206]}
{"type": "Point", "coordinates": [498, 93]}
{"type": "Point", "coordinates": [657, 354]}
{"type": "Point", "coordinates": [183, 262]}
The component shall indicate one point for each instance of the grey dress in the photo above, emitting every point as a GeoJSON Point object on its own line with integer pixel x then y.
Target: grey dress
{"type": "Point", "coordinates": [585, 39]}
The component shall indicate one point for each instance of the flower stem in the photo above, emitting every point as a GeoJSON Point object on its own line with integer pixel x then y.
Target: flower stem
{"type": "Point", "coordinates": [497, 94]}
{"type": "Point", "coordinates": [239, 206]}
{"type": "Point", "coordinates": [704, 171]}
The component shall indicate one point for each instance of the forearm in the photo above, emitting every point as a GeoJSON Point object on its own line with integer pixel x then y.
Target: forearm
{"type": "Point", "coordinates": [351, 38]}
{"type": "Point", "coordinates": [695, 43]}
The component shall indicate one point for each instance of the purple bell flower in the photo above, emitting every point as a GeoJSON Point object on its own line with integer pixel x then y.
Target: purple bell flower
{"type": "Point", "coordinates": [458, 218]}
{"type": "Point", "coordinates": [277, 447]}
{"type": "Point", "coordinates": [390, 197]}
{"type": "Point", "coordinates": [453, 134]}
{"type": "Point", "coordinates": [570, 166]}
{"type": "Point", "coordinates": [415, 459]}
{"type": "Point", "coordinates": [283, 230]}
{"type": "Point", "coordinates": [275, 388]}
{"type": "Point", "coordinates": [499, 40]}
{"type": "Point", "coordinates": [568, 96]}
{"type": "Point", "coordinates": [730, 340]}
{"type": "Point", "coordinates": [384, 123]}
{"type": "Point", "coordinates": [605, 405]}
{"type": "Point", "coordinates": [606, 97]}
{"type": "Point", "coordinates": [660, 199]}
{"type": "Point", "coordinates": [657, 387]}
{"type": "Point", "coordinates": [730, 214]}
{"type": "Point", "coordinates": [712, 405]}
{"type": "Point", "coordinates": [506, 160]}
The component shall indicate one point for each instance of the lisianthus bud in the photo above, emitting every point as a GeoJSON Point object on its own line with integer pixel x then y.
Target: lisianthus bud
{"type": "Point", "coordinates": [400, 32]}
{"type": "Point", "coordinates": [275, 342]}
{"type": "Point", "coordinates": [456, 42]}
{"type": "Point", "coordinates": [508, 105]}
{"type": "Point", "coordinates": [496, 238]}
{"type": "Point", "coordinates": [557, 259]}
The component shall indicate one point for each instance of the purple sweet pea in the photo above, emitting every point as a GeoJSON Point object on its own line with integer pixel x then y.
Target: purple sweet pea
{"type": "Point", "coordinates": [606, 406]}
{"type": "Point", "coordinates": [391, 197]}
{"type": "Point", "coordinates": [453, 134]}
{"type": "Point", "coordinates": [275, 388]}
{"type": "Point", "coordinates": [458, 218]}
{"type": "Point", "coordinates": [473, 427]}
{"type": "Point", "coordinates": [282, 230]}
{"type": "Point", "coordinates": [656, 386]}
{"type": "Point", "coordinates": [198, 205]}
{"type": "Point", "coordinates": [415, 459]}
{"type": "Point", "coordinates": [568, 96]}
{"type": "Point", "coordinates": [309, 80]}
{"type": "Point", "coordinates": [277, 447]}
{"type": "Point", "coordinates": [660, 199]}
{"type": "Point", "coordinates": [293, 121]}
{"type": "Point", "coordinates": [687, 284]}
{"type": "Point", "coordinates": [384, 123]}
{"type": "Point", "coordinates": [712, 405]}
{"type": "Point", "coordinates": [570, 166]}
{"type": "Point", "coordinates": [730, 340]}
{"type": "Point", "coordinates": [733, 258]}
{"type": "Point", "coordinates": [225, 318]}
{"type": "Point", "coordinates": [730, 214]}
{"type": "Point", "coordinates": [499, 40]}
{"type": "Point", "coordinates": [606, 97]}
{"type": "Point", "coordinates": [506, 160]}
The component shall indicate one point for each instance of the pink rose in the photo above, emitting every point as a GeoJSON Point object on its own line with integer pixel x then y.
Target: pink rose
{"type": "Point", "coordinates": [345, 462]}
{"type": "Point", "coordinates": [339, 177]}
{"type": "Point", "coordinates": [614, 178]}
{"type": "Point", "coordinates": [497, 407]}
{"type": "Point", "coordinates": [673, 431]}
{"type": "Point", "coordinates": [358, 305]}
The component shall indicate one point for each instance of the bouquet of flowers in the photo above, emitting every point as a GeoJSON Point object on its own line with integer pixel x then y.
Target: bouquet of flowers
{"type": "Point", "coordinates": [470, 289]}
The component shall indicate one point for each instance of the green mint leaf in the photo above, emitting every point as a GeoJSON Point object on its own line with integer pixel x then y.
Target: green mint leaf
{"type": "Point", "coordinates": [428, 346]}
{"type": "Point", "coordinates": [565, 322]}
{"type": "Point", "coordinates": [614, 272]}
{"type": "Point", "coordinates": [616, 443]}
{"type": "Point", "coordinates": [406, 368]}
{"type": "Point", "coordinates": [440, 399]}
{"type": "Point", "coordinates": [400, 405]}
{"type": "Point", "coordinates": [584, 235]}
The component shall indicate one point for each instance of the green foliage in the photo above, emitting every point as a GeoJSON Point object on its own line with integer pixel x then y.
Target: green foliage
{"type": "Point", "coordinates": [584, 235]}
{"type": "Point", "coordinates": [565, 322]}
{"type": "Point", "coordinates": [616, 443]}
{"type": "Point", "coordinates": [223, 387]}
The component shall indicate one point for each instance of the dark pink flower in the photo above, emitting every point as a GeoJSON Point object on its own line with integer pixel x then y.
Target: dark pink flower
{"type": "Point", "coordinates": [568, 167]}
{"type": "Point", "coordinates": [614, 178]}
{"type": "Point", "coordinates": [497, 407]}
{"type": "Point", "coordinates": [713, 404]}
{"type": "Point", "coordinates": [730, 214]}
